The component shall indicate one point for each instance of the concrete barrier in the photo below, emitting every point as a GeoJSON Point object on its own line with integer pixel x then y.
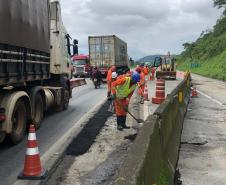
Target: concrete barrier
{"type": "Point", "coordinates": [152, 159]}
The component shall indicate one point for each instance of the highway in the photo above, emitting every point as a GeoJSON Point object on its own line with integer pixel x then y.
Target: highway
{"type": "Point", "coordinates": [203, 138]}
{"type": "Point", "coordinates": [53, 127]}
{"type": "Point", "coordinates": [215, 89]}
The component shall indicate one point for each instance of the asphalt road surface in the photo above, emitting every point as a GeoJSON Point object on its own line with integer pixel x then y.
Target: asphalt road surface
{"type": "Point", "coordinates": [53, 127]}
{"type": "Point", "coordinates": [203, 149]}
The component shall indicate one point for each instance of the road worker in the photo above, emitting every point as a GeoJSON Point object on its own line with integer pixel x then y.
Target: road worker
{"type": "Point", "coordinates": [146, 70]}
{"type": "Point", "coordinates": [141, 86]}
{"type": "Point", "coordinates": [109, 78]}
{"type": "Point", "coordinates": [122, 90]}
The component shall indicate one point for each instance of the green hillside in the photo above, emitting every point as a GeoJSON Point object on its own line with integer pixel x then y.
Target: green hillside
{"type": "Point", "coordinates": [207, 55]}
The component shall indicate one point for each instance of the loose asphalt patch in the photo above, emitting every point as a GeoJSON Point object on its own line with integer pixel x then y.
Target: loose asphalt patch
{"type": "Point", "coordinates": [80, 144]}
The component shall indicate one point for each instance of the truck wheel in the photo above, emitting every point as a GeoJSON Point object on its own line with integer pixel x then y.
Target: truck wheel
{"type": "Point", "coordinates": [2, 136]}
{"type": "Point", "coordinates": [38, 111]}
{"type": "Point", "coordinates": [18, 122]}
{"type": "Point", "coordinates": [66, 99]}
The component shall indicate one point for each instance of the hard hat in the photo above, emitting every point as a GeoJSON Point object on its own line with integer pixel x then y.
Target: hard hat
{"type": "Point", "coordinates": [114, 75]}
{"type": "Point", "coordinates": [135, 77]}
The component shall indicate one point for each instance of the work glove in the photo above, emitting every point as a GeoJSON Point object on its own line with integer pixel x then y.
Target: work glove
{"type": "Point", "coordinates": [113, 96]}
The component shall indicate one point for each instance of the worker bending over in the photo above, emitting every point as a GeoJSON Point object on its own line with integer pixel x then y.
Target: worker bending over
{"type": "Point", "coordinates": [109, 79]}
{"type": "Point", "coordinates": [122, 90]}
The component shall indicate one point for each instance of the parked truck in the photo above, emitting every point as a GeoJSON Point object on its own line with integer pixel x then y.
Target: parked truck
{"type": "Point", "coordinates": [35, 64]}
{"type": "Point", "coordinates": [105, 51]}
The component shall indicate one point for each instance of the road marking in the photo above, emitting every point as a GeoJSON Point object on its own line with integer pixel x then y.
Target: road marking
{"type": "Point", "coordinates": [209, 97]}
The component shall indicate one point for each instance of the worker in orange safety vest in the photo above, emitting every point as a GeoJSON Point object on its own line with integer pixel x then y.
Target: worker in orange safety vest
{"type": "Point", "coordinates": [141, 85]}
{"type": "Point", "coordinates": [109, 79]}
{"type": "Point", "coordinates": [122, 90]}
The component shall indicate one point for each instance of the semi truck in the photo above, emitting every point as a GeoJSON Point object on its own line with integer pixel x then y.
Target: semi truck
{"type": "Point", "coordinates": [35, 65]}
{"type": "Point", "coordinates": [106, 51]}
{"type": "Point", "coordinates": [81, 65]}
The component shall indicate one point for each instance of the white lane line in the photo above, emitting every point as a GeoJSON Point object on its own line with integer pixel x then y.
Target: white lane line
{"type": "Point", "coordinates": [209, 97]}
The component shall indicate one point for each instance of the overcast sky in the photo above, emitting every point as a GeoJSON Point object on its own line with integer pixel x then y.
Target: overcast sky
{"type": "Point", "coordinates": [148, 26]}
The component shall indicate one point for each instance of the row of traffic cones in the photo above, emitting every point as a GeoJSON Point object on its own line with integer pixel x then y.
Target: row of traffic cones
{"type": "Point", "coordinates": [160, 92]}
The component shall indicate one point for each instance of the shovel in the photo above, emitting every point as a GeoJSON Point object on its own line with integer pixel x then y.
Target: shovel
{"type": "Point", "coordinates": [137, 120]}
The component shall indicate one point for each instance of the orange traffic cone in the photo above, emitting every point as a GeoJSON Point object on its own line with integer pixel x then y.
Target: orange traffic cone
{"type": "Point", "coordinates": [160, 92]}
{"type": "Point", "coordinates": [32, 166]}
{"type": "Point", "coordinates": [194, 92]}
{"type": "Point", "coordinates": [146, 92]}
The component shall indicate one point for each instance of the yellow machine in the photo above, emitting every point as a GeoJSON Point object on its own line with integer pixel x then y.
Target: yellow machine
{"type": "Point", "coordinates": [166, 68]}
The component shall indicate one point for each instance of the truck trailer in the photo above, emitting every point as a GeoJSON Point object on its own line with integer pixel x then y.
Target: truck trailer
{"type": "Point", "coordinates": [106, 51]}
{"type": "Point", "coordinates": [35, 64]}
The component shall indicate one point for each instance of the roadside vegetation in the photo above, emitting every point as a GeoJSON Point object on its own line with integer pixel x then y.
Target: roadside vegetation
{"type": "Point", "coordinates": [207, 55]}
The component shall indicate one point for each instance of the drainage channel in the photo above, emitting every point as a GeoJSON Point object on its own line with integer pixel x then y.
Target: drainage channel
{"type": "Point", "coordinates": [79, 145]}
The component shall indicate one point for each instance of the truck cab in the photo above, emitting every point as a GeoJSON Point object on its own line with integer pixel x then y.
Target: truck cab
{"type": "Point", "coordinates": [60, 43]}
{"type": "Point", "coordinates": [81, 66]}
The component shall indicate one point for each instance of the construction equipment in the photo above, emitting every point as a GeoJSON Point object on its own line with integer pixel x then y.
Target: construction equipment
{"type": "Point", "coordinates": [166, 68]}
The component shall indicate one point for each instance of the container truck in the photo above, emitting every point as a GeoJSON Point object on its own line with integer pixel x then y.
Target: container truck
{"type": "Point", "coordinates": [35, 64]}
{"type": "Point", "coordinates": [105, 51]}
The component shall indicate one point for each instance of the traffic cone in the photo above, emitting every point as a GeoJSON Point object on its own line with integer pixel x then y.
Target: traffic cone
{"type": "Point", "coordinates": [32, 166]}
{"type": "Point", "coordinates": [160, 92]}
{"type": "Point", "coordinates": [194, 92]}
{"type": "Point", "coordinates": [146, 92]}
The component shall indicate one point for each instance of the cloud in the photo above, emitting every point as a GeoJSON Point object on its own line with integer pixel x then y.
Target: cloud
{"type": "Point", "coordinates": [148, 26]}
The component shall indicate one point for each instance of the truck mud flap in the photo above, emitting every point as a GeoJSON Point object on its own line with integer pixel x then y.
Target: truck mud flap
{"type": "Point", "coordinates": [77, 82]}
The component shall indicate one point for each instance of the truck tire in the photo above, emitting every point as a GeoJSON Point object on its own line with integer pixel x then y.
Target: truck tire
{"type": "Point", "coordinates": [2, 136]}
{"type": "Point", "coordinates": [66, 99]}
{"type": "Point", "coordinates": [38, 110]}
{"type": "Point", "coordinates": [18, 122]}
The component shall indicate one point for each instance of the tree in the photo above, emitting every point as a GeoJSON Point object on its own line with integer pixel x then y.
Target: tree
{"type": "Point", "coordinates": [220, 4]}
{"type": "Point", "coordinates": [186, 45]}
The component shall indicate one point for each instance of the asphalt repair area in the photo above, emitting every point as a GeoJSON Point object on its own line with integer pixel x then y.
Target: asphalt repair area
{"type": "Point", "coordinates": [93, 157]}
{"type": "Point", "coordinates": [98, 151]}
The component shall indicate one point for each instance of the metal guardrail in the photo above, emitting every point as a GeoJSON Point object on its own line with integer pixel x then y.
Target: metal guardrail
{"type": "Point", "coordinates": [154, 155]}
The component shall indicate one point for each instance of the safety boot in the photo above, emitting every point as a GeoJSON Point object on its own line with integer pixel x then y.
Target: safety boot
{"type": "Point", "coordinates": [142, 100]}
{"type": "Point", "coordinates": [125, 126]}
{"type": "Point", "coordinates": [120, 127]}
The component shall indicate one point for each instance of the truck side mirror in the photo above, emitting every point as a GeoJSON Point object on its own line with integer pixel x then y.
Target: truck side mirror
{"type": "Point", "coordinates": [75, 41]}
{"type": "Point", "coordinates": [75, 47]}
{"type": "Point", "coordinates": [67, 36]}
